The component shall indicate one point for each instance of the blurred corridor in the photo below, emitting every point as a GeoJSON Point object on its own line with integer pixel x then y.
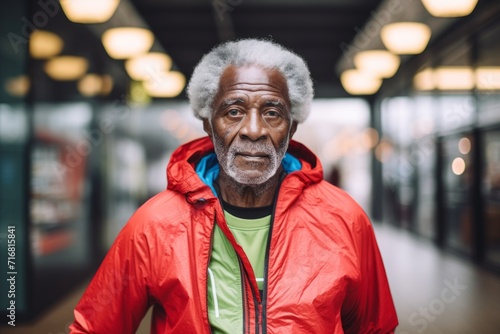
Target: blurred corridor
{"type": "Point", "coordinates": [413, 135]}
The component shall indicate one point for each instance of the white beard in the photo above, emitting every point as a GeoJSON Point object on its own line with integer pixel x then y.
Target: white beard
{"type": "Point", "coordinates": [249, 177]}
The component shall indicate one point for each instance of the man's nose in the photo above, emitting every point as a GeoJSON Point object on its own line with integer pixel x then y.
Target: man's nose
{"type": "Point", "coordinates": [253, 127]}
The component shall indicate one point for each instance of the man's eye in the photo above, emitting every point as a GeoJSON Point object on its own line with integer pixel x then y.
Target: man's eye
{"type": "Point", "coordinates": [233, 112]}
{"type": "Point", "coordinates": [272, 113]}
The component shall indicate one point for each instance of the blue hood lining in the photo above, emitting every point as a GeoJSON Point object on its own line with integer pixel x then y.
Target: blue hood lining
{"type": "Point", "coordinates": [208, 168]}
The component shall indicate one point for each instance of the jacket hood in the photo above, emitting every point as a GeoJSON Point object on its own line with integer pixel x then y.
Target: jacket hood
{"type": "Point", "coordinates": [194, 166]}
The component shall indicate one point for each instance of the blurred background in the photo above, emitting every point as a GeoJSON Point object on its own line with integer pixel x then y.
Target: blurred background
{"type": "Point", "coordinates": [406, 119]}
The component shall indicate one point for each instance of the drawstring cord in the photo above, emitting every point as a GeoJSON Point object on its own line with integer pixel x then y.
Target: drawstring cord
{"type": "Point", "coordinates": [214, 292]}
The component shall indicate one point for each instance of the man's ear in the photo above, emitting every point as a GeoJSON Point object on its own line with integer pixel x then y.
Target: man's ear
{"type": "Point", "coordinates": [207, 127]}
{"type": "Point", "coordinates": [293, 128]}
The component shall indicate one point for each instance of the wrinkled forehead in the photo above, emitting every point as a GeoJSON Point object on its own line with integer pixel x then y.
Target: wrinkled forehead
{"type": "Point", "coordinates": [253, 78]}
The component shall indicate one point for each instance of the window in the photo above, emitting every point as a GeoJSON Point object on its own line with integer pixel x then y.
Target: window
{"type": "Point", "coordinates": [491, 195]}
{"type": "Point", "coordinates": [457, 172]}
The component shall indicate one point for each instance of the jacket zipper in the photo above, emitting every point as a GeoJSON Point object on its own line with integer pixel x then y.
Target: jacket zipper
{"type": "Point", "coordinates": [266, 259]}
{"type": "Point", "coordinates": [244, 277]}
{"type": "Point", "coordinates": [256, 307]}
{"type": "Point", "coordinates": [208, 267]}
{"type": "Point", "coordinates": [246, 327]}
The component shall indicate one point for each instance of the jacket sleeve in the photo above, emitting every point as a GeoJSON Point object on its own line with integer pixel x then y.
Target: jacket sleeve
{"type": "Point", "coordinates": [368, 307]}
{"type": "Point", "coordinates": [117, 298]}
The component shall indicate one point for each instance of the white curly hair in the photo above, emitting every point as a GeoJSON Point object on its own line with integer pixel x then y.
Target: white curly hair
{"type": "Point", "coordinates": [204, 83]}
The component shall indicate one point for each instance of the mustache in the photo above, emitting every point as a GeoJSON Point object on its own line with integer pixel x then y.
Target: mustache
{"type": "Point", "coordinates": [265, 148]}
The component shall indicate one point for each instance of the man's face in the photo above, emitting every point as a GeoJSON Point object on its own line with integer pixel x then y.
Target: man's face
{"type": "Point", "coordinates": [250, 125]}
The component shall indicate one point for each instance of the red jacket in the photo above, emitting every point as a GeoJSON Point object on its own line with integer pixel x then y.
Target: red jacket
{"type": "Point", "coordinates": [325, 273]}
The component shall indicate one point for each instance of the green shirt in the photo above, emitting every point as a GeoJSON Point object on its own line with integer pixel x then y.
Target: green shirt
{"type": "Point", "coordinates": [225, 299]}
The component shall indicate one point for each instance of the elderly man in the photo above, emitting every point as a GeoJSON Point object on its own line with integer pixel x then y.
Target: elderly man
{"type": "Point", "coordinates": [247, 238]}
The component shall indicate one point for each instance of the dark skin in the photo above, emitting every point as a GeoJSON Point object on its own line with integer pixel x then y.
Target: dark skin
{"type": "Point", "coordinates": [251, 107]}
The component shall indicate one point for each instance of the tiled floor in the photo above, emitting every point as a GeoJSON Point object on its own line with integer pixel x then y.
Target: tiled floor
{"type": "Point", "coordinates": [435, 293]}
